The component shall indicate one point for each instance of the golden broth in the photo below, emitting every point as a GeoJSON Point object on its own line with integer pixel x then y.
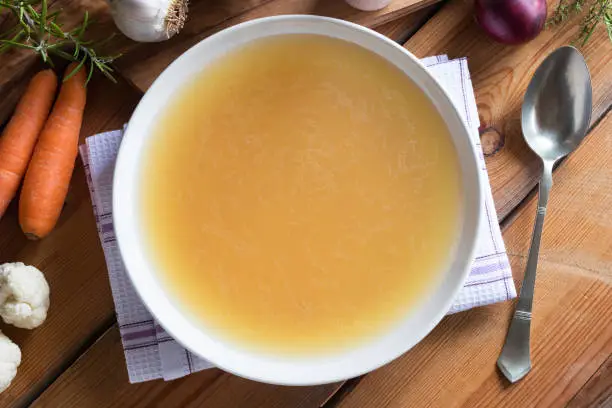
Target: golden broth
{"type": "Point", "coordinates": [300, 195]}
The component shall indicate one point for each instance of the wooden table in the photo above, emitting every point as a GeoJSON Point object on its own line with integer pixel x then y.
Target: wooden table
{"type": "Point", "coordinates": [76, 359]}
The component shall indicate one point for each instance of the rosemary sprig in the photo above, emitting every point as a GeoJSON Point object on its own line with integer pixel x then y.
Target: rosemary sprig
{"type": "Point", "coordinates": [600, 11]}
{"type": "Point", "coordinates": [43, 33]}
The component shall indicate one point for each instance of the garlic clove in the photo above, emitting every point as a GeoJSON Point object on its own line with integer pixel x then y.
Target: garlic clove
{"type": "Point", "coordinates": [149, 20]}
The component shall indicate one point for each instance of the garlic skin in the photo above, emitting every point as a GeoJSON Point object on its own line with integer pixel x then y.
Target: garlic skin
{"type": "Point", "coordinates": [149, 20]}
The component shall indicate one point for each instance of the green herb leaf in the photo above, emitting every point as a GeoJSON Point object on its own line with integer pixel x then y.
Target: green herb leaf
{"type": "Point", "coordinates": [597, 12]}
{"type": "Point", "coordinates": [76, 69]}
{"type": "Point", "coordinates": [61, 54]}
{"type": "Point", "coordinates": [608, 22]}
{"type": "Point", "coordinates": [40, 30]}
{"type": "Point", "coordinates": [43, 19]}
{"type": "Point", "coordinates": [90, 74]}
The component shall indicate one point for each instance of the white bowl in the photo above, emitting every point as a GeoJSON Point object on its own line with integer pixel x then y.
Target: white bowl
{"type": "Point", "coordinates": [281, 369]}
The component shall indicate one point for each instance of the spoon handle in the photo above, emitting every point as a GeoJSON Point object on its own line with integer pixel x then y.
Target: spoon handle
{"type": "Point", "coordinates": [514, 360]}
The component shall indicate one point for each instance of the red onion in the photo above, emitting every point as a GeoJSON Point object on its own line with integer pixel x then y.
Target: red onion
{"type": "Point", "coordinates": [511, 21]}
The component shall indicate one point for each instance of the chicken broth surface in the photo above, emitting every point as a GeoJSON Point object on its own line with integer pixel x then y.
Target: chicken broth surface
{"type": "Point", "coordinates": [300, 195]}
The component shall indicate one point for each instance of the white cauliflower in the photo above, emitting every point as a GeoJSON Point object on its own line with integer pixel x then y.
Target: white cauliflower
{"type": "Point", "coordinates": [24, 295]}
{"type": "Point", "coordinates": [10, 358]}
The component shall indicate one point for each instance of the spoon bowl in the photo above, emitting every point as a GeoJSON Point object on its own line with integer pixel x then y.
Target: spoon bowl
{"type": "Point", "coordinates": [557, 107]}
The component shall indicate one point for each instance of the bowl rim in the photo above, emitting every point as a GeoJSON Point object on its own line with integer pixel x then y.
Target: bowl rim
{"type": "Point", "coordinates": [265, 368]}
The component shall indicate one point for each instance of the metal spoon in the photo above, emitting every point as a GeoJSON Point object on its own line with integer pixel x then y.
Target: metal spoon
{"type": "Point", "coordinates": [555, 118]}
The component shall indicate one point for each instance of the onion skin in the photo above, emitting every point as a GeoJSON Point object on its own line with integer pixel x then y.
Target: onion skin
{"type": "Point", "coordinates": [511, 21]}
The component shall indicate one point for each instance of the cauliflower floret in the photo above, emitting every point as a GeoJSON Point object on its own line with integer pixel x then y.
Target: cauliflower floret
{"type": "Point", "coordinates": [24, 295]}
{"type": "Point", "coordinates": [10, 358]}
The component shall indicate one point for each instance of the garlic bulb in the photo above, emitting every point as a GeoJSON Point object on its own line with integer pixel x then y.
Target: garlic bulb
{"type": "Point", "coordinates": [149, 20]}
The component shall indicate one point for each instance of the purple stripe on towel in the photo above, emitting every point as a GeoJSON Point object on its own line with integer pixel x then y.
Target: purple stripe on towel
{"type": "Point", "coordinates": [485, 282]}
{"type": "Point", "coordinates": [107, 227]}
{"type": "Point", "coordinates": [140, 346]}
{"type": "Point", "coordinates": [135, 324]}
{"type": "Point", "coordinates": [500, 254]}
{"type": "Point", "coordinates": [490, 268]}
{"type": "Point", "coordinates": [139, 334]}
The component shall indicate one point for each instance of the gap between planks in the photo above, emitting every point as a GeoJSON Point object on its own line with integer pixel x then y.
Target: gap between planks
{"type": "Point", "coordinates": [597, 391]}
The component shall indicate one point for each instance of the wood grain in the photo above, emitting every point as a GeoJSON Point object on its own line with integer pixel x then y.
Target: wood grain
{"type": "Point", "coordinates": [571, 332]}
{"type": "Point", "coordinates": [73, 263]}
{"type": "Point", "coordinates": [500, 75]}
{"type": "Point", "coordinates": [106, 358]}
{"type": "Point", "coordinates": [401, 29]}
{"type": "Point", "coordinates": [99, 379]}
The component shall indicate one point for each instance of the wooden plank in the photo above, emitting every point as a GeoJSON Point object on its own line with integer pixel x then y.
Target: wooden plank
{"type": "Point", "coordinates": [597, 392]}
{"type": "Point", "coordinates": [500, 75]}
{"type": "Point", "coordinates": [106, 358]}
{"type": "Point", "coordinates": [401, 29]}
{"type": "Point", "coordinates": [205, 18]}
{"type": "Point", "coordinates": [144, 63]}
{"type": "Point", "coordinates": [571, 334]}
{"type": "Point", "coordinates": [99, 379]}
{"type": "Point", "coordinates": [72, 261]}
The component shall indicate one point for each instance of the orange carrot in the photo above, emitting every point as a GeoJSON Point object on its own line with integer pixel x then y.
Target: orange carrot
{"type": "Point", "coordinates": [20, 134]}
{"type": "Point", "coordinates": [46, 182]}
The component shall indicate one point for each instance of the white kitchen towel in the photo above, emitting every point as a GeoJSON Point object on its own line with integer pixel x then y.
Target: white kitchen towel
{"type": "Point", "coordinates": [151, 353]}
